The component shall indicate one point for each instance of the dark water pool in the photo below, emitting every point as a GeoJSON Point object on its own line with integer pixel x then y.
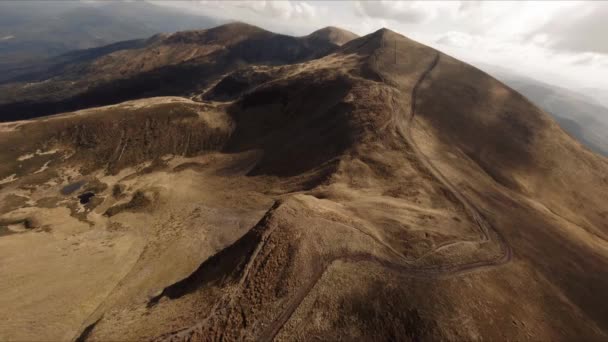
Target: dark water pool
{"type": "Point", "coordinates": [84, 198]}
{"type": "Point", "coordinates": [68, 189]}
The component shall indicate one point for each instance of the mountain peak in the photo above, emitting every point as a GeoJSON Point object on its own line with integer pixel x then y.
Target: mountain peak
{"type": "Point", "coordinates": [225, 34]}
{"type": "Point", "coordinates": [388, 34]}
{"type": "Point", "coordinates": [238, 26]}
{"type": "Point", "coordinates": [333, 35]}
{"type": "Point", "coordinates": [378, 41]}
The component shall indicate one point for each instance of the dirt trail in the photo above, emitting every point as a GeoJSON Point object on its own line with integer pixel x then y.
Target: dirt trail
{"type": "Point", "coordinates": [321, 266]}
{"type": "Point", "coordinates": [472, 211]}
{"type": "Point", "coordinates": [430, 271]}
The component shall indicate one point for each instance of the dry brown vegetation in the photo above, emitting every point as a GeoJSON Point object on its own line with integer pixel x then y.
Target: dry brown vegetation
{"type": "Point", "coordinates": [384, 191]}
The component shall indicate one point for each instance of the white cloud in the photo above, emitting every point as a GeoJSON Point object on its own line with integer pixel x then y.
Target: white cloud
{"type": "Point", "coordinates": [280, 9]}
{"type": "Point", "coordinates": [583, 30]}
{"type": "Point", "coordinates": [392, 10]}
{"type": "Point", "coordinates": [304, 10]}
{"type": "Point", "coordinates": [407, 12]}
{"type": "Point", "coordinates": [590, 58]}
{"type": "Point", "coordinates": [283, 10]}
{"type": "Point", "coordinates": [456, 39]}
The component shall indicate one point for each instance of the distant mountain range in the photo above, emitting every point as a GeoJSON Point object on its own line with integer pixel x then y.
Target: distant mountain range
{"type": "Point", "coordinates": [181, 63]}
{"type": "Point", "coordinates": [35, 30]}
{"type": "Point", "coordinates": [40, 39]}
{"type": "Point", "coordinates": [581, 115]}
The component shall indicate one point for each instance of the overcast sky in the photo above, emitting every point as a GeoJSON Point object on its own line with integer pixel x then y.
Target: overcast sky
{"type": "Point", "coordinates": [563, 43]}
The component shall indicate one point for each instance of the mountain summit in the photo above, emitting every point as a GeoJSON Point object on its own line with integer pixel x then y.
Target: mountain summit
{"type": "Point", "coordinates": [333, 35]}
{"type": "Point", "coordinates": [236, 184]}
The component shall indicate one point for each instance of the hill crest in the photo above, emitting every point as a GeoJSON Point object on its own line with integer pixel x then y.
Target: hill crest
{"type": "Point", "coordinates": [333, 35]}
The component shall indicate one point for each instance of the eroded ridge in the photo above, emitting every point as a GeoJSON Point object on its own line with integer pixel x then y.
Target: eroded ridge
{"type": "Point", "coordinates": [404, 266]}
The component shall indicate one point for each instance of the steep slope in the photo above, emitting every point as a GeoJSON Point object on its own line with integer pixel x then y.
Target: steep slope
{"type": "Point", "coordinates": [383, 191]}
{"type": "Point", "coordinates": [577, 114]}
{"type": "Point", "coordinates": [517, 144]}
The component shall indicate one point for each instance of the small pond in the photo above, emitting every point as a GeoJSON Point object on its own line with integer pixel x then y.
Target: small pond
{"type": "Point", "coordinates": [70, 188]}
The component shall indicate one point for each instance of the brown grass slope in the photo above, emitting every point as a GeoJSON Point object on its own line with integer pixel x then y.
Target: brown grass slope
{"type": "Point", "coordinates": [415, 198]}
{"type": "Point", "coordinates": [287, 284]}
{"type": "Point", "coordinates": [516, 143]}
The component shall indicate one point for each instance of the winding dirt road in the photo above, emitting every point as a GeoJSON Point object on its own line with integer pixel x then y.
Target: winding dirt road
{"type": "Point", "coordinates": [430, 271]}
{"type": "Point", "coordinates": [321, 265]}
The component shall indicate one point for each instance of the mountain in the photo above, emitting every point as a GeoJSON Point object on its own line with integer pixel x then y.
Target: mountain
{"type": "Point", "coordinates": [579, 115]}
{"type": "Point", "coordinates": [599, 95]}
{"type": "Point", "coordinates": [372, 190]}
{"type": "Point", "coordinates": [167, 64]}
{"type": "Point", "coordinates": [333, 35]}
{"type": "Point", "coordinates": [32, 31]}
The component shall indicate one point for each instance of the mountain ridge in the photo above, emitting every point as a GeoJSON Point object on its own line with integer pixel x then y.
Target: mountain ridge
{"type": "Point", "coordinates": [184, 54]}
{"type": "Point", "coordinates": [369, 191]}
{"type": "Point", "coordinates": [47, 29]}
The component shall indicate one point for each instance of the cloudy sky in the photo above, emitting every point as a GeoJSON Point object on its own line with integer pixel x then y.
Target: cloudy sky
{"type": "Point", "coordinates": [563, 43]}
